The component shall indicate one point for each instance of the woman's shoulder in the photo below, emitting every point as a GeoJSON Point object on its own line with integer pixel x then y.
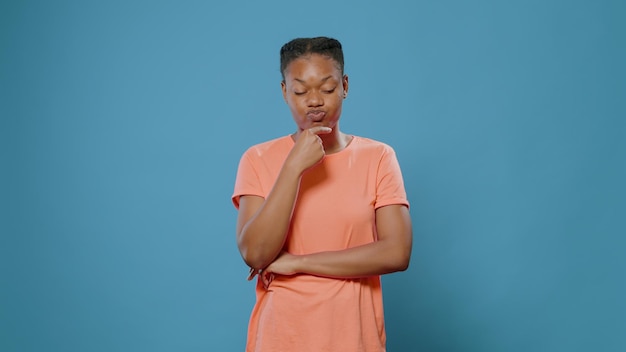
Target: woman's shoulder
{"type": "Point", "coordinates": [370, 145]}
{"type": "Point", "coordinates": [271, 147]}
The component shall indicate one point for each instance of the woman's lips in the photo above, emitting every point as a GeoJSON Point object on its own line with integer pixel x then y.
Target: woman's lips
{"type": "Point", "coordinates": [316, 115]}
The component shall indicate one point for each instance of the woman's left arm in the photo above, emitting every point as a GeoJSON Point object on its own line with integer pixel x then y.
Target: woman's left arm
{"type": "Point", "coordinates": [390, 253]}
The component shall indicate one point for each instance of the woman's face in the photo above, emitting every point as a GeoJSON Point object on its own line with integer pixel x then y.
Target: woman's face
{"type": "Point", "coordinates": [314, 89]}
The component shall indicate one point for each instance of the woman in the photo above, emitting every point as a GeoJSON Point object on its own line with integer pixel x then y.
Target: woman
{"type": "Point", "coordinates": [322, 214]}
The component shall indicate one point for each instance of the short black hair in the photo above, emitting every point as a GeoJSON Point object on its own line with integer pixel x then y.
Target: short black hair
{"type": "Point", "coordinates": [299, 47]}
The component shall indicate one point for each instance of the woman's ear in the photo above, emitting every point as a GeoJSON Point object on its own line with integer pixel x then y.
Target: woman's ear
{"type": "Point", "coordinates": [283, 88]}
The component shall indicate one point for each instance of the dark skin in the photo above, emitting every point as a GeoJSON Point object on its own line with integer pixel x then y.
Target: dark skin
{"type": "Point", "coordinates": [314, 89]}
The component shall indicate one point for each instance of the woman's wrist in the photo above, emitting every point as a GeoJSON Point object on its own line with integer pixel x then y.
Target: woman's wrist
{"type": "Point", "coordinates": [300, 264]}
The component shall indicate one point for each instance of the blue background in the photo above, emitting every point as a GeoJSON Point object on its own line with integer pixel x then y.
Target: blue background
{"type": "Point", "coordinates": [122, 123]}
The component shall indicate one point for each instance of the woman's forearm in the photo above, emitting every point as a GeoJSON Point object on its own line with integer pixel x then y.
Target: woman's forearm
{"type": "Point", "coordinates": [377, 258]}
{"type": "Point", "coordinates": [390, 253]}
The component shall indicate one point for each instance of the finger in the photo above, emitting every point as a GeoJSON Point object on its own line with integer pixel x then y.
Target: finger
{"type": "Point", "coordinates": [265, 279]}
{"type": "Point", "coordinates": [320, 130]}
{"type": "Point", "coordinates": [252, 273]}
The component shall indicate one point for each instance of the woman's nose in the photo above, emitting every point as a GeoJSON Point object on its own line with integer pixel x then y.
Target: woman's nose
{"type": "Point", "coordinates": [315, 99]}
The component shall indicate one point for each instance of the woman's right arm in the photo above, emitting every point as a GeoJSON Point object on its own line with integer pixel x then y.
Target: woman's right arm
{"type": "Point", "coordinates": [262, 224]}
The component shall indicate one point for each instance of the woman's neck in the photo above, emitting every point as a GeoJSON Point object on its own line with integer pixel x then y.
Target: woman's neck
{"type": "Point", "coordinates": [335, 141]}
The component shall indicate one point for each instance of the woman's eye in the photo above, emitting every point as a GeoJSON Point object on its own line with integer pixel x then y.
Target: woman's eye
{"type": "Point", "coordinates": [299, 93]}
{"type": "Point", "coordinates": [329, 91]}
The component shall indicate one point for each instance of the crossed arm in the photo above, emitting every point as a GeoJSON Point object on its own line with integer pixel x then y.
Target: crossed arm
{"type": "Point", "coordinates": [262, 229]}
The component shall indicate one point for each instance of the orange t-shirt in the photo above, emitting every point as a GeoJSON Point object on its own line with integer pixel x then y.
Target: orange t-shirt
{"type": "Point", "coordinates": [335, 210]}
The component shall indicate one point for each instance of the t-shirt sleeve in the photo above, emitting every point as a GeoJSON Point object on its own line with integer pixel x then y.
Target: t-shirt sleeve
{"type": "Point", "coordinates": [390, 184]}
{"type": "Point", "coordinates": [247, 181]}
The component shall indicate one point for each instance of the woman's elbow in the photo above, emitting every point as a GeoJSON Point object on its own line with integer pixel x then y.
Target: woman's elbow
{"type": "Point", "coordinates": [402, 264]}
{"type": "Point", "coordinates": [402, 259]}
{"type": "Point", "coordinates": [251, 260]}
{"type": "Point", "coordinates": [254, 258]}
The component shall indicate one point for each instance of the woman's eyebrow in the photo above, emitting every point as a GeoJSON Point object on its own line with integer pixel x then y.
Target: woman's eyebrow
{"type": "Point", "coordinates": [323, 79]}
